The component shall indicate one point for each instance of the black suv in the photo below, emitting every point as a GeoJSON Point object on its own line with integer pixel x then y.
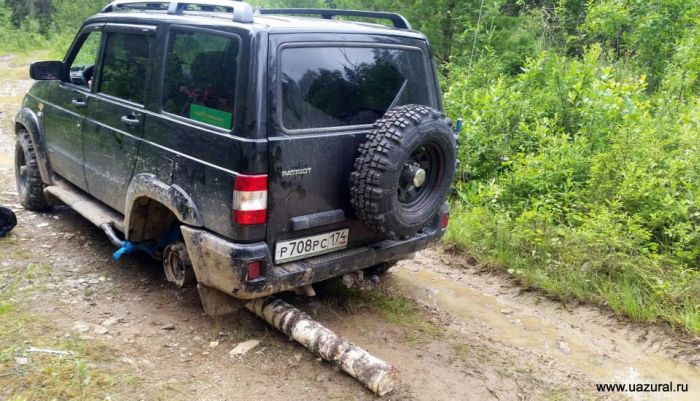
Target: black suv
{"type": "Point", "coordinates": [254, 151]}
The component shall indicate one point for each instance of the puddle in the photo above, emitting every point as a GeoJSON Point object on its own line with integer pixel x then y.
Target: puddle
{"type": "Point", "coordinates": [596, 350]}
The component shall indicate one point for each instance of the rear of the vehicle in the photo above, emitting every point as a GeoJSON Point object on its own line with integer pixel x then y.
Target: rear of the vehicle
{"type": "Point", "coordinates": [328, 91]}
{"type": "Point", "coordinates": [329, 88]}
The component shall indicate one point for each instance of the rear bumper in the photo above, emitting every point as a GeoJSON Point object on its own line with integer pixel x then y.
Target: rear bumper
{"type": "Point", "coordinates": [223, 265]}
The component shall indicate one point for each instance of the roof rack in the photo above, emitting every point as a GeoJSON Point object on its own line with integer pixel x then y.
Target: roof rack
{"type": "Point", "coordinates": [242, 11]}
{"type": "Point", "coordinates": [398, 20]}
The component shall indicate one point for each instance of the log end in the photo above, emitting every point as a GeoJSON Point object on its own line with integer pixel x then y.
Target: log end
{"type": "Point", "coordinates": [387, 382]}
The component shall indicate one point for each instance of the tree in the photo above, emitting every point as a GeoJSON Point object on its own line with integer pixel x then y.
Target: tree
{"type": "Point", "coordinates": [21, 9]}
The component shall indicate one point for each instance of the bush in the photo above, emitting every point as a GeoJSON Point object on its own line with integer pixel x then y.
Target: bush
{"type": "Point", "coordinates": [582, 180]}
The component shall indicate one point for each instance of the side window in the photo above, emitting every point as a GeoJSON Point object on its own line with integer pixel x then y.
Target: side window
{"type": "Point", "coordinates": [200, 77]}
{"type": "Point", "coordinates": [125, 66]}
{"type": "Point", "coordinates": [82, 67]}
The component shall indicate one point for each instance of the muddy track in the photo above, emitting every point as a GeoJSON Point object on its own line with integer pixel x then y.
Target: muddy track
{"type": "Point", "coordinates": [481, 338]}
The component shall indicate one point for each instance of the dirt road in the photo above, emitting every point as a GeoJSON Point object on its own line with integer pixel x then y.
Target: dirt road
{"type": "Point", "coordinates": [455, 330]}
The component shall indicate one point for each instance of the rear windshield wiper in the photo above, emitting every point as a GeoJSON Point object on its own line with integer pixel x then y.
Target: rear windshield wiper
{"type": "Point", "coordinates": [398, 95]}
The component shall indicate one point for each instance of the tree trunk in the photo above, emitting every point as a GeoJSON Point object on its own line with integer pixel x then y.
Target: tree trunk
{"type": "Point", "coordinates": [374, 373]}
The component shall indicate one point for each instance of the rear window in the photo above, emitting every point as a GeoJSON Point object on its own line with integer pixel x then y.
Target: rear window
{"type": "Point", "coordinates": [327, 87]}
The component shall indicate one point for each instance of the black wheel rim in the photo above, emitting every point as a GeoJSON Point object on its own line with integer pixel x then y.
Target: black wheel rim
{"type": "Point", "coordinates": [420, 176]}
{"type": "Point", "coordinates": [21, 171]}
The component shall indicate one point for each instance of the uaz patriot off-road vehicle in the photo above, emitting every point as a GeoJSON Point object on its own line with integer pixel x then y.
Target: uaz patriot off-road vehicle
{"type": "Point", "coordinates": [254, 151]}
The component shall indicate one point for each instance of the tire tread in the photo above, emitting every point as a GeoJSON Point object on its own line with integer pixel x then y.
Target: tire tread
{"type": "Point", "coordinates": [373, 161]}
{"type": "Point", "coordinates": [34, 199]}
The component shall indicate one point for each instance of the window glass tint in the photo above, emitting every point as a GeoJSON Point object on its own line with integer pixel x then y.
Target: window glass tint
{"type": "Point", "coordinates": [125, 66]}
{"type": "Point", "coordinates": [341, 86]}
{"type": "Point", "coordinates": [83, 65]}
{"type": "Point", "coordinates": [200, 77]}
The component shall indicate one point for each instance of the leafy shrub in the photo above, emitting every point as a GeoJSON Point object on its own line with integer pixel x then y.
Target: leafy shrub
{"type": "Point", "coordinates": [579, 177]}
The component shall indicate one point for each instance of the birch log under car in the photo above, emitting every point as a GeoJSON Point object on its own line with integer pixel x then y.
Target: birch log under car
{"type": "Point", "coordinates": [283, 150]}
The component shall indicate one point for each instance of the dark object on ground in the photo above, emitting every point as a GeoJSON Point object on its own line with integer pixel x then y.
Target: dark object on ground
{"type": "Point", "coordinates": [8, 221]}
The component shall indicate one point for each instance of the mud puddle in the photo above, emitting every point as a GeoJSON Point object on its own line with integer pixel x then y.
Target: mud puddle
{"type": "Point", "coordinates": [595, 350]}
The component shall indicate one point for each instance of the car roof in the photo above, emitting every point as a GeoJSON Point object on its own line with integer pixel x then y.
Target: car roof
{"type": "Point", "coordinates": [269, 22]}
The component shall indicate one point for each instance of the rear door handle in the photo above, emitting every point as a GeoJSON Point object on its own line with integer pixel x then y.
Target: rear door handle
{"type": "Point", "coordinates": [130, 121]}
{"type": "Point", "coordinates": [79, 103]}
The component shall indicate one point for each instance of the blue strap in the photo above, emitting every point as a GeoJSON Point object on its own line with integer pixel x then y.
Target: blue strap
{"type": "Point", "coordinates": [130, 247]}
{"type": "Point", "coordinates": [171, 236]}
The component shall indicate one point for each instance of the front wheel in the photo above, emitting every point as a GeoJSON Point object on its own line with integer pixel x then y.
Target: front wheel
{"type": "Point", "coordinates": [29, 185]}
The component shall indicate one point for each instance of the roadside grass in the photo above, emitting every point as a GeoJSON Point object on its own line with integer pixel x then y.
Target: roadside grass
{"type": "Point", "coordinates": [78, 376]}
{"type": "Point", "coordinates": [397, 309]}
{"type": "Point", "coordinates": [16, 64]}
{"type": "Point", "coordinates": [84, 374]}
{"type": "Point", "coordinates": [637, 286]}
{"type": "Point", "coordinates": [12, 100]}
{"type": "Point", "coordinates": [470, 354]}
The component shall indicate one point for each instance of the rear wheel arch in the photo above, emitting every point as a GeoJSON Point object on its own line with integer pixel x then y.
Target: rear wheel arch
{"type": "Point", "coordinates": [153, 206]}
{"type": "Point", "coordinates": [155, 223]}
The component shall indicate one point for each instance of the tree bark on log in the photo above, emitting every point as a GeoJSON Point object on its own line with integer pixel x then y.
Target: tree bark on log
{"type": "Point", "coordinates": [369, 370]}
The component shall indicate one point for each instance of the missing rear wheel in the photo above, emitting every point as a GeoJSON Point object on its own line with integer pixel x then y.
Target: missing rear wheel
{"type": "Point", "coordinates": [177, 265]}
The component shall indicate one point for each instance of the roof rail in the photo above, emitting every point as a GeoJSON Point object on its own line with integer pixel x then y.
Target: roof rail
{"type": "Point", "coordinates": [242, 11]}
{"type": "Point", "coordinates": [398, 20]}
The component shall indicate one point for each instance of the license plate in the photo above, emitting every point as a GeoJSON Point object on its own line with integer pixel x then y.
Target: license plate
{"type": "Point", "coordinates": [301, 248]}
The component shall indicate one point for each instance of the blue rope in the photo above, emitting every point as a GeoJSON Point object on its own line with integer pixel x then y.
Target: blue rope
{"type": "Point", "coordinates": [130, 247]}
{"type": "Point", "coordinates": [171, 236]}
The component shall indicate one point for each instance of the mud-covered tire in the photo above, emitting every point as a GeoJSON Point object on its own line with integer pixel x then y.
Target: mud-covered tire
{"type": "Point", "coordinates": [29, 184]}
{"type": "Point", "coordinates": [384, 193]}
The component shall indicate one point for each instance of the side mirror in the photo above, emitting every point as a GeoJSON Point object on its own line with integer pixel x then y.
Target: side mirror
{"type": "Point", "coordinates": [47, 70]}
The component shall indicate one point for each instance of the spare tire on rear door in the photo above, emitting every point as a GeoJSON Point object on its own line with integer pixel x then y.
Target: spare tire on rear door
{"type": "Point", "coordinates": [404, 170]}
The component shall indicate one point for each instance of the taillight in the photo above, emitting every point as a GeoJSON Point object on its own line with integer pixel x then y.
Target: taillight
{"type": "Point", "coordinates": [444, 220]}
{"type": "Point", "coordinates": [253, 270]}
{"type": "Point", "coordinates": [250, 199]}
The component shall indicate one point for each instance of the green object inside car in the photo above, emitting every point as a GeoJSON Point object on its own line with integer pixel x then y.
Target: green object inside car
{"type": "Point", "coordinates": [207, 115]}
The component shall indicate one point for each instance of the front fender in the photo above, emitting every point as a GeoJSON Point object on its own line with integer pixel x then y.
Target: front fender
{"type": "Point", "coordinates": [171, 196]}
{"type": "Point", "coordinates": [28, 119]}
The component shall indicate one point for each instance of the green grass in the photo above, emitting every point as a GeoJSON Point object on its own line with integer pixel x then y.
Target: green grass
{"type": "Point", "coordinates": [399, 310]}
{"type": "Point", "coordinates": [16, 64]}
{"type": "Point", "coordinates": [87, 373]}
{"type": "Point", "coordinates": [636, 286]}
